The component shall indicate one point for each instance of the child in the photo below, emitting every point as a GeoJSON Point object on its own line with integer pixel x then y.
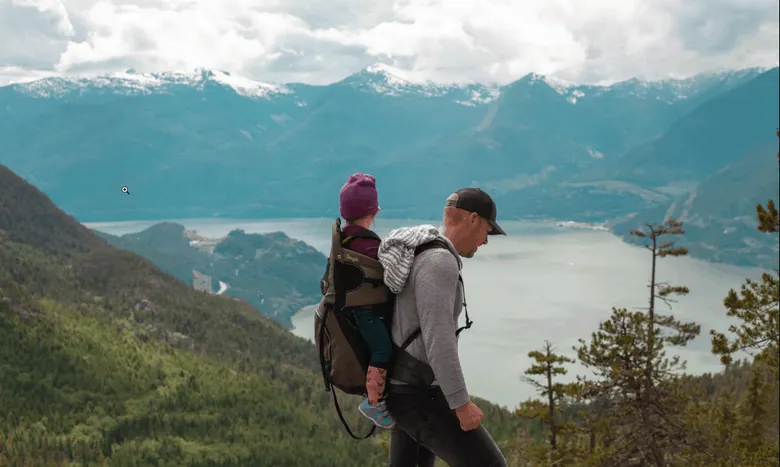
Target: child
{"type": "Point", "coordinates": [358, 203]}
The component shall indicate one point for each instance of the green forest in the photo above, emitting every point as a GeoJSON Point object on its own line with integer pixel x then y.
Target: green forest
{"type": "Point", "coordinates": [278, 274]}
{"type": "Point", "coordinates": [107, 361]}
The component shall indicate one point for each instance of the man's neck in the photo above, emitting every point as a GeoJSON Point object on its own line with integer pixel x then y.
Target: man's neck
{"type": "Point", "coordinates": [452, 236]}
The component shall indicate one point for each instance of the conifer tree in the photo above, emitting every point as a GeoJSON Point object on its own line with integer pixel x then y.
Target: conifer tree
{"type": "Point", "coordinates": [549, 366]}
{"type": "Point", "coordinates": [753, 411]}
{"type": "Point", "coordinates": [646, 396]}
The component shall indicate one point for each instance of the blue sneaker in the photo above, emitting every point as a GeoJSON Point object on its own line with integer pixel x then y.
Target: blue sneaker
{"type": "Point", "coordinates": [376, 413]}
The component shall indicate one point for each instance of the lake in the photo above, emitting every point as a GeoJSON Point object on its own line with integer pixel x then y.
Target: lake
{"type": "Point", "coordinates": [540, 282]}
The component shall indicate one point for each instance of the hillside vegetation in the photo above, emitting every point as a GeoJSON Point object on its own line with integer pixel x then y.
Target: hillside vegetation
{"type": "Point", "coordinates": [106, 360]}
{"type": "Point", "coordinates": [275, 273]}
{"type": "Point", "coordinates": [719, 213]}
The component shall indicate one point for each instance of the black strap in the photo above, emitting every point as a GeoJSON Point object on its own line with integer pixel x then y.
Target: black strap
{"type": "Point", "coordinates": [418, 331]}
{"type": "Point", "coordinates": [439, 243]}
{"type": "Point", "coordinates": [375, 282]}
{"type": "Point", "coordinates": [344, 422]}
{"type": "Point", "coordinates": [411, 338]}
{"type": "Point", "coordinates": [436, 243]}
{"type": "Point", "coordinates": [465, 308]}
{"type": "Point", "coordinates": [325, 365]}
{"type": "Point", "coordinates": [362, 233]}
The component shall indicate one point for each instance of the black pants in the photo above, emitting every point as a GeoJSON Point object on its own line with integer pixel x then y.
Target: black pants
{"type": "Point", "coordinates": [426, 428]}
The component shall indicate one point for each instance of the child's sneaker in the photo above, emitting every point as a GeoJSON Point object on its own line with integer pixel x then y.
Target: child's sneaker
{"type": "Point", "coordinates": [376, 413]}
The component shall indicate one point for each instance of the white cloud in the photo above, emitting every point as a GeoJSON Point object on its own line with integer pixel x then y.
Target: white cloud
{"type": "Point", "coordinates": [319, 41]}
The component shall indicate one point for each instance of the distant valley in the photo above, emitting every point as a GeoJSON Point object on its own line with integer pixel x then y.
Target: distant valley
{"type": "Point", "coordinates": [210, 144]}
{"type": "Point", "coordinates": [719, 214]}
{"type": "Point", "coordinates": [272, 272]}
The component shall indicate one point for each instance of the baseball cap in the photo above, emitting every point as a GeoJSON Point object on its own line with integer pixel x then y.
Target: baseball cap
{"type": "Point", "coordinates": [477, 201]}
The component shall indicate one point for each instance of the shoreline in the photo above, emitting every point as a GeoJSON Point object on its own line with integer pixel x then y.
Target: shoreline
{"type": "Point", "coordinates": [200, 240]}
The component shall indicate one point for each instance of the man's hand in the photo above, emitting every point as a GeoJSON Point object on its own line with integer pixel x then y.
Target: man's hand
{"type": "Point", "coordinates": [469, 416]}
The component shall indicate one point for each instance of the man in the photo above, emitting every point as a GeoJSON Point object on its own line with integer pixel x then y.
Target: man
{"type": "Point", "coordinates": [438, 419]}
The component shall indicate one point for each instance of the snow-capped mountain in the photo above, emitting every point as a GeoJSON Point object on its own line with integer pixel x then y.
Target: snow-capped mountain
{"type": "Point", "coordinates": [209, 142]}
{"type": "Point", "coordinates": [133, 83]}
{"type": "Point", "coordinates": [668, 90]}
{"type": "Point", "coordinates": [386, 80]}
{"type": "Point", "coordinates": [379, 79]}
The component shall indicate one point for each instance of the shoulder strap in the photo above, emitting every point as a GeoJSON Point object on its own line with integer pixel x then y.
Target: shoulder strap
{"type": "Point", "coordinates": [362, 233]}
{"type": "Point", "coordinates": [439, 243]}
{"type": "Point", "coordinates": [465, 307]}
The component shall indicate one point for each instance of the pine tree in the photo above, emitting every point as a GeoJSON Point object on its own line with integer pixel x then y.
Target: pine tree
{"type": "Point", "coordinates": [750, 428]}
{"type": "Point", "coordinates": [549, 366]}
{"type": "Point", "coordinates": [758, 333]}
{"type": "Point", "coordinates": [644, 394]}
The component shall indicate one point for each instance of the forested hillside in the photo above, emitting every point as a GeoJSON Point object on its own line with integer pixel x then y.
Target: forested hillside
{"type": "Point", "coordinates": [277, 274]}
{"type": "Point", "coordinates": [106, 360]}
{"type": "Point", "coordinates": [720, 212]}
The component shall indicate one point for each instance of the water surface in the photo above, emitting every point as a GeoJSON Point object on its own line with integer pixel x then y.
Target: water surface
{"type": "Point", "coordinates": [539, 282]}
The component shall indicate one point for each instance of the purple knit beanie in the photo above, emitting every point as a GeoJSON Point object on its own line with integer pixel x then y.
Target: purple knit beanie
{"type": "Point", "coordinates": [358, 197]}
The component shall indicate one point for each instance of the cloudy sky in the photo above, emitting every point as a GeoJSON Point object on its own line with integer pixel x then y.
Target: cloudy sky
{"type": "Point", "coordinates": [321, 41]}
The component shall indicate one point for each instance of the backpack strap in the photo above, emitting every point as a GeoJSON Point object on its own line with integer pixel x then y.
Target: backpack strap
{"type": "Point", "coordinates": [344, 422]}
{"type": "Point", "coordinates": [362, 233]}
{"type": "Point", "coordinates": [418, 331]}
{"type": "Point", "coordinates": [465, 307]}
{"type": "Point", "coordinates": [439, 243]}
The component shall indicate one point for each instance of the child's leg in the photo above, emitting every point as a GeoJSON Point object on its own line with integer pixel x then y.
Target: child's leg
{"type": "Point", "coordinates": [374, 332]}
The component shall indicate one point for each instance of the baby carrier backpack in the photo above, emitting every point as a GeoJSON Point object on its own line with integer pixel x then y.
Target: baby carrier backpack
{"type": "Point", "coordinates": [355, 280]}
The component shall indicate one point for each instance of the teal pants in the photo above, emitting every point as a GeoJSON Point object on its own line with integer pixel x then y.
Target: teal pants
{"type": "Point", "coordinates": [371, 324]}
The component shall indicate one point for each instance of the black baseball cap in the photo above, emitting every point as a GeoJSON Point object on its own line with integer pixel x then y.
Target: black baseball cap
{"type": "Point", "coordinates": [477, 201]}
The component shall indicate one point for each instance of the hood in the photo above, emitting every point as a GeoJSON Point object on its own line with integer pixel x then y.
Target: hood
{"type": "Point", "coordinates": [396, 253]}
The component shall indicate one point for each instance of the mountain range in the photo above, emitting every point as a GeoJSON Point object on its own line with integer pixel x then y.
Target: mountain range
{"type": "Point", "coordinates": [209, 143]}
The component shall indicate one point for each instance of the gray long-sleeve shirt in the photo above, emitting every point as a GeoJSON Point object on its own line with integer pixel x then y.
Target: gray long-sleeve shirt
{"type": "Point", "coordinates": [432, 299]}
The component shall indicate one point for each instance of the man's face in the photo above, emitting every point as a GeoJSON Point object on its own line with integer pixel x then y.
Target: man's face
{"type": "Point", "coordinates": [476, 235]}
